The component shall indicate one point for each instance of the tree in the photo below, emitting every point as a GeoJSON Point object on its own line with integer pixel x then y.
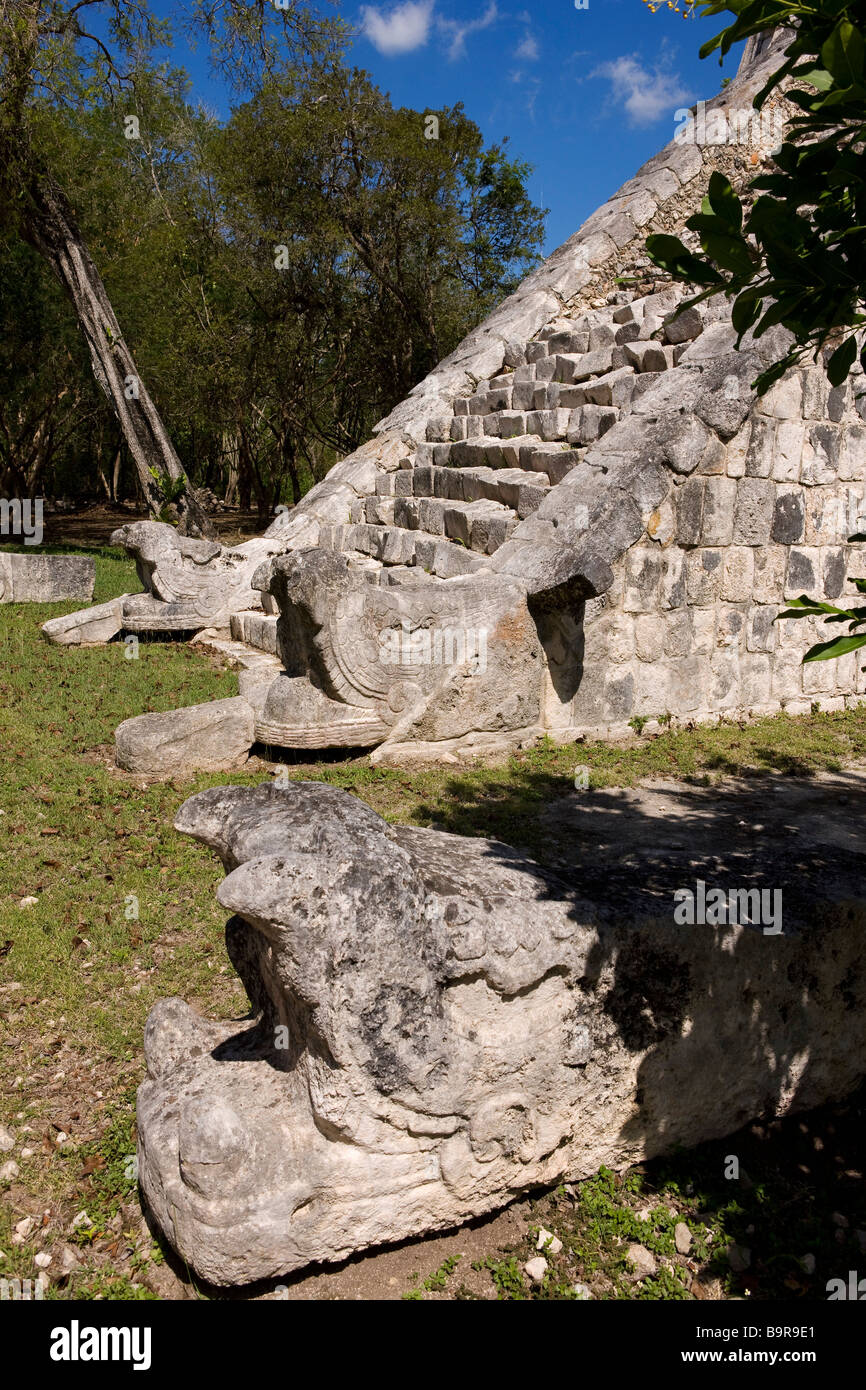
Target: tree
{"type": "Point", "coordinates": [46, 52]}
{"type": "Point", "coordinates": [796, 253]}
{"type": "Point", "coordinates": [349, 254]}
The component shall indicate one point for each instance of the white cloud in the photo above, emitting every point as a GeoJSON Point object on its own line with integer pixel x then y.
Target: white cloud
{"type": "Point", "coordinates": [403, 29]}
{"type": "Point", "coordinates": [527, 49]}
{"type": "Point", "coordinates": [458, 33]}
{"type": "Point", "coordinates": [645, 95]}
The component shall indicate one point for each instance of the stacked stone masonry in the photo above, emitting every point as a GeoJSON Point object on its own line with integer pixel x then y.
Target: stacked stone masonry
{"type": "Point", "coordinates": [591, 475]}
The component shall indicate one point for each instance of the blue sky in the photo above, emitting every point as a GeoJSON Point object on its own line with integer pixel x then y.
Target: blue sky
{"type": "Point", "coordinates": [585, 95]}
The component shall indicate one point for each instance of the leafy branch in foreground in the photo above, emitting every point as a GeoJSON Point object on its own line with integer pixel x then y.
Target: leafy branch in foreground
{"type": "Point", "coordinates": [798, 256]}
{"type": "Point", "coordinates": [804, 607]}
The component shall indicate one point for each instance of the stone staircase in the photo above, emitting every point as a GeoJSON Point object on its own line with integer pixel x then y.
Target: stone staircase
{"type": "Point", "coordinates": [491, 462]}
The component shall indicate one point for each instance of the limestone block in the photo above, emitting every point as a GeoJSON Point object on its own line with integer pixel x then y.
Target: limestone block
{"type": "Point", "coordinates": [788, 516]}
{"type": "Point", "coordinates": [548, 424]}
{"type": "Point", "coordinates": [613, 637]}
{"type": "Point", "coordinates": [824, 517]}
{"type": "Point", "coordinates": [213, 737]}
{"type": "Point", "coordinates": [738, 578]}
{"type": "Point", "coordinates": [568, 341]}
{"type": "Point", "coordinates": [819, 678]}
{"type": "Point", "coordinates": [714, 458]}
{"type": "Point", "coordinates": [730, 626]}
{"type": "Point", "coordinates": [661, 525]}
{"type": "Point", "coordinates": [735, 454]}
{"type": "Point", "coordinates": [716, 341]}
{"type": "Point", "coordinates": [601, 336]}
{"type": "Point", "coordinates": [703, 577]}
{"type": "Point", "coordinates": [646, 356]}
{"type": "Point", "coordinates": [643, 569]}
{"type": "Point", "coordinates": [821, 455]}
{"type": "Point", "coordinates": [837, 400]}
{"type": "Point", "coordinates": [790, 436]}
{"type": "Point", "coordinates": [704, 633]}
{"type": "Point", "coordinates": [589, 422]}
{"type": "Point", "coordinates": [649, 636]}
{"type": "Point", "coordinates": [784, 400]}
{"type": "Point", "coordinates": [628, 332]}
{"type": "Point", "coordinates": [690, 679]}
{"type": "Point", "coordinates": [726, 396]}
{"type": "Point", "coordinates": [689, 509]}
{"type": "Point", "coordinates": [753, 514]}
{"type": "Point", "coordinates": [678, 638]}
{"type": "Point", "coordinates": [683, 440]}
{"type": "Point", "coordinates": [755, 680]}
{"type": "Point", "coordinates": [834, 566]}
{"type": "Point", "coordinates": [618, 695]}
{"type": "Point", "coordinates": [718, 519]}
{"type": "Point", "coordinates": [725, 685]}
{"type": "Point", "coordinates": [32, 578]}
{"type": "Point", "coordinates": [852, 457]}
{"type": "Point", "coordinates": [761, 630]}
{"type": "Point", "coordinates": [673, 584]}
{"type": "Point", "coordinates": [97, 624]}
{"type": "Point", "coordinates": [659, 393]}
{"type": "Point", "coordinates": [511, 423]}
{"type": "Point", "coordinates": [770, 562]}
{"type": "Point", "coordinates": [804, 573]}
{"type": "Point", "coordinates": [572, 369]}
{"type": "Point", "coordinates": [815, 392]}
{"type": "Point", "coordinates": [523, 395]}
{"type": "Point", "coordinates": [684, 327]}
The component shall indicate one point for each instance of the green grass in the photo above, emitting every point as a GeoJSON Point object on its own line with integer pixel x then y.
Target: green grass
{"type": "Point", "coordinates": [125, 909]}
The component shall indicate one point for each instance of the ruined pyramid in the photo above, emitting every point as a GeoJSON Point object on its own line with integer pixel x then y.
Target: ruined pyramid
{"type": "Point", "coordinates": [582, 518]}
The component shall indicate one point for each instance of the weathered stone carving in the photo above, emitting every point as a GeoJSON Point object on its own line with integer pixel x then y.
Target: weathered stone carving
{"type": "Point", "coordinates": [440, 1024]}
{"type": "Point", "coordinates": [190, 584]}
{"type": "Point", "coordinates": [364, 661]}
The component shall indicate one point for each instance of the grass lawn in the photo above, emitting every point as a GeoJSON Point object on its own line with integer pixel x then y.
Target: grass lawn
{"type": "Point", "coordinates": [125, 913]}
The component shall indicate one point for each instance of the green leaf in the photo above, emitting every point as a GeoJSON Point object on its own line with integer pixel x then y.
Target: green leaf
{"type": "Point", "coordinates": [842, 361]}
{"type": "Point", "coordinates": [724, 201]}
{"type": "Point", "coordinates": [805, 607]}
{"type": "Point", "coordinates": [728, 252]}
{"type": "Point", "coordinates": [819, 77]}
{"type": "Point", "coordinates": [842, 54]}
{"type": "Point", "coordinates": [839, 646]}
{"type": "Point", "coordinates": [671, 255]}
{"type": "Point", "coordinates": [746, 310]}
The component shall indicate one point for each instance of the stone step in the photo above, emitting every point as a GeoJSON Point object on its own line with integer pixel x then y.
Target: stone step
{"type": "Point", "coordinates": [399, 546]}
{"type": "Point", "coordinates": [528, 453]}
{"type": "Point", "coordinates": [520, 489]}
{"type": "Point", "coordinates": [252, 651]}
{"type": "Point", "coordinates": [255, 629]}
{"type": "Point", "coordinates": [482, 526]}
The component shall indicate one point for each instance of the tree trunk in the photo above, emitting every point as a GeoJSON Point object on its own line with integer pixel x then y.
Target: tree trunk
{"type": "Point", "coordinates": [115, 477]}
{"type": "Point", "coordinates": [51, 229]}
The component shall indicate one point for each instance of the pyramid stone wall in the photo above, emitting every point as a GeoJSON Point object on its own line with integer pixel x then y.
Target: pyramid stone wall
{"type": "Point", "coordinates": [588, 484]}
{"type": "Point", "coordinates": [681, 508]}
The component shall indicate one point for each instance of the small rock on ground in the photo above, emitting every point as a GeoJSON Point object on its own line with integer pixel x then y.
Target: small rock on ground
{"type": "Point", "coordinates": [536, 1269]}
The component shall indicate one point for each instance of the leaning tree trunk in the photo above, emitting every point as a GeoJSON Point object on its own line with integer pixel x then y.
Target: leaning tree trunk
{"type": "Point", "coordinates": [50, 227]}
